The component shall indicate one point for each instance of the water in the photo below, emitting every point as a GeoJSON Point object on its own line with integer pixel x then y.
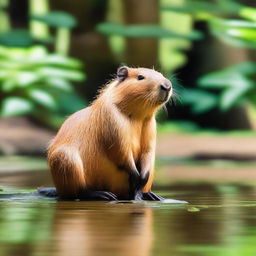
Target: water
{"type": "Point", "coordinates": [213, 223]}
{"type": "Point", "coordinates": [219, 220]}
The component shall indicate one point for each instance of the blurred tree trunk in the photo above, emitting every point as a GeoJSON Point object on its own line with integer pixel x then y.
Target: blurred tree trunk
{"type": "Point", "coordinates": [93, 48]}
{"type": "Point", "coordinates": [87, 45]}
{"type": "Point", "coordinates": [141, 52]}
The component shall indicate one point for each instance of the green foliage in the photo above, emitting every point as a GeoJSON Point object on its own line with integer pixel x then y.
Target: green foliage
{"type": "Point", "coordinates": [33, 81]}
{"type": "Point", "coordinates": [232, 86]}
{"type": "Point", "coordinates": [200, 101]}
{"type": "Point", "coordinates": [222, 89]}
{"type": "Point", "coordinates": [171, 51]}
{"type": "Point", "coordinates": [17, 38]}
{"type": "Point", "coordinates": [235, 84]}
{"type": "Point", "coordinates": [239, 33]}
{"type": "Point", "coordinates": [57, 19]}
{"type": "Point", "coordinates": [111, 28]}
{"type": "Point", "coordinates": [12, 106]}
{"type": "Point", "coordinates": [199, 7]}
{"type": "Point", "coordinates": [174, 37]}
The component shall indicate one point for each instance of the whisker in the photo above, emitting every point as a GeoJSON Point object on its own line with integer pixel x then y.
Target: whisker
{"type": "Point", "coordinates": [165, 110]}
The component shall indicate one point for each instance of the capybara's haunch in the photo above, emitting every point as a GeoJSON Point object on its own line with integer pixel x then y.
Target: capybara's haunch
{"type": "Point", "coordinates": [107, 150]}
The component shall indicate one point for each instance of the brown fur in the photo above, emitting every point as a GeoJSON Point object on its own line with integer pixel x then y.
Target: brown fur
{"type": "Point", "coordinates": [118, 131]}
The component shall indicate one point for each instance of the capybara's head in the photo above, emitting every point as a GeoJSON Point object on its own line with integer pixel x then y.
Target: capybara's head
{"type": "Point", "coordinates": [143, 87]}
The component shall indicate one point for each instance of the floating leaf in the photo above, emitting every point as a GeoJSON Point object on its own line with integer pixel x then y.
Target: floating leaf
{"type": "Point", "coordinates": [57, 19]}
{"type": "Point", "coordinates": [13, 106]}
{"type": "Point", "coordinates": [142, 31]}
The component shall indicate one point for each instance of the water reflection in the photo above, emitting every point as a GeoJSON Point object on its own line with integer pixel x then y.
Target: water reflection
{"type": "Point", "coordinates": [97, 229]}
{"type": "Point", "coordinates": [220, 220]}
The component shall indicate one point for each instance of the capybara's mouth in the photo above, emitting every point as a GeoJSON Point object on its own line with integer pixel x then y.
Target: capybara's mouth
{"type": "Point", "coordinates": [164, 98]}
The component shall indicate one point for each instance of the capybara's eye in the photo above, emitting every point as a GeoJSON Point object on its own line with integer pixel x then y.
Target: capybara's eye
{"type": "Point", "coordinates": [140, 77]}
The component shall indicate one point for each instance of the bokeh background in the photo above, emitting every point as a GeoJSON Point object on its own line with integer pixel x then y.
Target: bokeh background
{"type": "Point", "coordinates": [55, 55]}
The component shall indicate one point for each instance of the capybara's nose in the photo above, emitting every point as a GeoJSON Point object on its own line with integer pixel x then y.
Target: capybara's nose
{"type": "Point", "coordinates": [166, 86]}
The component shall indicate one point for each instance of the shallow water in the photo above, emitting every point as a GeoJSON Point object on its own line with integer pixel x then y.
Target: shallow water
{"type": "Point", "coordinates": [219, 220]}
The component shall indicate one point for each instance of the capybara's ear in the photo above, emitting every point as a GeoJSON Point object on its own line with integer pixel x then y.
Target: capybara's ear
{"type": "Point", "coordinates": [122, 73]}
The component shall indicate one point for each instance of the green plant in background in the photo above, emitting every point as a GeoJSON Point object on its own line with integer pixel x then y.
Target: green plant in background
{"type": "Point", "coordinates": [40, 19]}
{"type": "Point", "coordinates": [32, 80]}
{"type": "Point", "coordinates": [235, 84]}
{"type": "Point", "coordinates": [173, 38]}
{"type": "Point", "coordinates": [224, 89]}
{"type": "Point", "coordinates": [153, 31]}
{"type": "Point", "coordinates": [232, 86]}
{"type": "Point", "coordinates": [63, 22]}
{"type": "Point", "coordinates": [171, 52]}
{"type": "Point", "coordinates": [4, 17]}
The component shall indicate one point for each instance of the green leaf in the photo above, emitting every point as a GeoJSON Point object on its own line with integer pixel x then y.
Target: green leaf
{"type": "Point", "coordinates": [8, 85]}
{"type": "Point", "coordinates": [13, 80]}
{"type": "Point", "coordinates": [234, 32]}
{"type": "Point", "coordinates": [248, 13]}
{"type": "Point", "coordinates": [59, 60]}
{"type": "Point", "coordinates": [231, 97]}
{"type": "Point", "coordinates": [194, 7]}
{"type": "Point", "coordinates": [143, 31]}
{"type": "Point", "coordinates": [234, 81]}
{"type": "Point", "coordinates": [57, 19]}
{"type": "Point", "coordinates": [245, 68]}
{"type": "Point", "coordinates": [224, 79]}
{"type": "Point", "coordinates": [10, 53]}
{"type": "Point", "coordinates": [60, 84]}
{"type": "Point", "coordinates": [13, 106]}
{"type": "Point", "coordinates": [74, 75]}
{"type": "Point", "coordinates": [16, 38]}
{"type": "Point", "coordinates": [37, 52]}
{"type": "Point", "coordinates": [199, 100]}
{"type": "Point", "coordinates": [43, 98]}
{"type": "Point", "coordinates": [24, 79]}
{"type": "Point", "coordinates": [234, 76]}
